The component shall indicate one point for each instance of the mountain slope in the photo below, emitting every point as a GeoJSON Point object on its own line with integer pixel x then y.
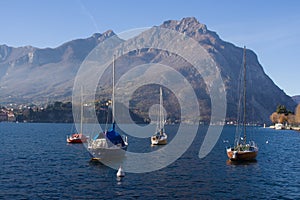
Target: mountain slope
{"type": "Point", "coordinates": [296, 99]}
{"type": "Point", "coordinates": [263, 94]}
{"type": "Point", "coordinates": [32, 74]}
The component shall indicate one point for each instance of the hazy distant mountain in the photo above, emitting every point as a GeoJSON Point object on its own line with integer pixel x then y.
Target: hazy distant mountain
{"type": "Point", "coordinates": [32, 74]}
{"type": "Point", "coordinates": [296, 99]}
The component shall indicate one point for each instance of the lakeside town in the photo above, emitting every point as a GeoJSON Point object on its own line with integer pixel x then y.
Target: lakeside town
{"type": "Point", "coordinates": [61, 112]}
{"type": "Point", "coordinates": [35, 113]}
{"type": "Point", "coordinates": [57, 112]}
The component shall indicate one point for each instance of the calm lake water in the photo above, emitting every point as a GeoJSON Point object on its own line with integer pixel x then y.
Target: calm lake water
{"type": "Point", "coordinates": [36, 163]}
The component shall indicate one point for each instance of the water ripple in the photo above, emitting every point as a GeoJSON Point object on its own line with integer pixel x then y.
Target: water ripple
{"type": "Point", "coordinates": [36, 163]}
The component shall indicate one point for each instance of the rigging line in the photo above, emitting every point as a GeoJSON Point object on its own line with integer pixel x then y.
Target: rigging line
{"type": "Point", "coordinates": [244, 123]}
{"type": "Point", "coordinates": [113, 91]}
{"type": "Point", "coordinates": [107, 117]}
{"type": "Point", "coordinates": [239, 107]}
{"type": "Point", "coordinates": [81, 111]}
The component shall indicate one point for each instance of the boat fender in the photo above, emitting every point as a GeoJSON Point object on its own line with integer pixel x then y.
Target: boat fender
{"type": "Point", "coordinates": [234, 154]}
{"type": "Point", "coordinates": [120, 172]}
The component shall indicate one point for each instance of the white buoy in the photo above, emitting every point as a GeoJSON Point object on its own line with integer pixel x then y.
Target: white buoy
{"type": "Point", "coordinates": [267, 142]}
{"type": "Point", "coordinates": [120, 172]}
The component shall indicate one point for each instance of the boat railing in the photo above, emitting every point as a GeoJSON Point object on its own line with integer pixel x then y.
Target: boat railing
{"type": "Point", "coordinates": [252, 143]}
{"type": "Point", "coordinates": [98, 143]}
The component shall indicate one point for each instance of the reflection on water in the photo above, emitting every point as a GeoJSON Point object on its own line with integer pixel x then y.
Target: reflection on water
{"type": "Point", "coordinates": [114, 162]}
{"type": "Point", "coordinates": [235, 162]}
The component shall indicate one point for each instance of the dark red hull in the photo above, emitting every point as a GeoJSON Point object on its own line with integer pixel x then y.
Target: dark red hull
{"type": "Point", "coordinates": [246, 155]}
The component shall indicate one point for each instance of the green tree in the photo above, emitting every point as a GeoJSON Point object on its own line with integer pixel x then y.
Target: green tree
{"type": "Point", "coordinates": [57, 105]}
{"type": "Point", "coordinates": [281, 109]}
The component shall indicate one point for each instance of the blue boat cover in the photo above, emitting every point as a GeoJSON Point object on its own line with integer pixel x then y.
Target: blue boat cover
{"type": "Point", "coordinates": [113, 136]}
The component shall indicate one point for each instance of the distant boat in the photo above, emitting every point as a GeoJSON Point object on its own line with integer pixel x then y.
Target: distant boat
{"type": "Point", "coordinates": [243, 151]}
{"type": "Point", "coordinates": [160, 137]}
{"type": "Point", "coordinates": [279, 126]}
{"type": "Point", "coordinates": [78, 137]}
{"type": "Point", "coordinates": [109, 144]}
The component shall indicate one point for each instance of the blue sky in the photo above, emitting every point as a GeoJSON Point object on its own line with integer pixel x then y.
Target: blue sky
{"type": "Point", "coordinates": [271, 28]}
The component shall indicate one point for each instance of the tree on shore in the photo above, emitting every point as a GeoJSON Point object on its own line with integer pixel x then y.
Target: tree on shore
{"type": "Point", "coordinates": [297, 114]}
{"type": "Point", "coordinates": [282, 115]}
{"type": "Point", "coordinates": [291, 119]}
{"type": "Point", "coordinates": [281, 109]}
{"type": "Point", "coordinates": [274, 117]}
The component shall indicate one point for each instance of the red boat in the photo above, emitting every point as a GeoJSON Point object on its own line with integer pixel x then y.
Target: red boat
{"type": "Point", "coordinates": [77, 138]}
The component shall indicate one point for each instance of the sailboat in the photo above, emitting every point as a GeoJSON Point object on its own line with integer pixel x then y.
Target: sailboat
{"type": "Point", "coordinates": [78, 137]}
{"type": "Point", "coordinates": [108, 144]}
{"type": "Point", "coordinates": [243, 151]}
{"type": "Point", "coordinates": [160, 137]}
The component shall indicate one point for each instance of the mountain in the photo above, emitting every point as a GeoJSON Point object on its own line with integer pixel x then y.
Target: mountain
{"type": "Point", "coordinates": [265, 95]}
{"type": "Point", "coordinates": [296, 98]}
{"type": "Point", "coordinates": [30, 74]}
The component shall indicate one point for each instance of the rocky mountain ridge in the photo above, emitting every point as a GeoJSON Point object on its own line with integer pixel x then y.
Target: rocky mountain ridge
{"type": "Point", "coordinates": [29, 74]}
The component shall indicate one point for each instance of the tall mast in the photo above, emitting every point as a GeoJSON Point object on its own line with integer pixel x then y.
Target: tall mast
{"type": "Point", "coordinates": [113, 91]}
{"type": "Point", "coordinates": [160, 110]}
{"type": "Point", "coordinates": [81, 110]}
{"type": "Point", "coordinates": [244, 123]}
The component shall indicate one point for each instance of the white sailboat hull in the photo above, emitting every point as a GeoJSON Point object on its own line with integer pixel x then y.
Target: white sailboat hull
{"type": "Point", "coordinates": [107, 153]}
{"type": "Point", "coordinates": [99, 149]}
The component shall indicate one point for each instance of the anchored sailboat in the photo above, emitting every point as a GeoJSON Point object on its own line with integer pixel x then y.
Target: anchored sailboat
{"type": "Point", "coordinates": [78, 137]}
{"type": "Point", "coordinates": [160, 137]}
{"type": "Point", "coordinates": [243, 151]}
{"type": "Point", "coordinates": [109, 144]}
